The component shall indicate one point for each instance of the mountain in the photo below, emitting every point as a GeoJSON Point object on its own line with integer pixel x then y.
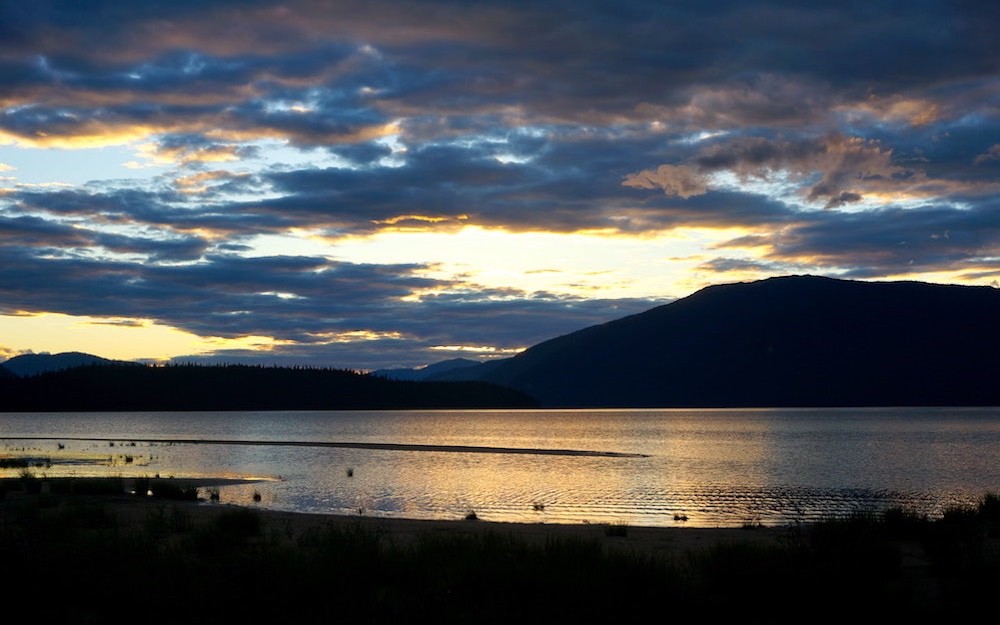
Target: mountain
{"type": "Point", "coordinates": [788, 341]}
{"type": "Point", "coordinates": [477, 373]}
{"type": "Point", "coordinates": [429, 372]}
{"type": "Point", "coordinates": [33, 364]}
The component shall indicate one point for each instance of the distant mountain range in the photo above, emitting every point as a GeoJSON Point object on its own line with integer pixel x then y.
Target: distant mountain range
{"type": "Point", "coordinates": [32, 364]}
{"type": "Point", "coordinates": [780, 342]}
{"type": "Point", "coordinates": [429, 372]}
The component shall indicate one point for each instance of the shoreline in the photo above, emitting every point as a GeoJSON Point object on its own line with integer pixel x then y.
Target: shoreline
{"type": "Point", "coordinates": [134, 508]}
{"type": "Point", "coordinates": [644, 539]}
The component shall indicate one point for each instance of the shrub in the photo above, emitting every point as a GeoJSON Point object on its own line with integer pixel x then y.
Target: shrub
{"type": "Point", "coordinates": [989, 507]}
{"type": "Point", "coordinates": [166, 489]}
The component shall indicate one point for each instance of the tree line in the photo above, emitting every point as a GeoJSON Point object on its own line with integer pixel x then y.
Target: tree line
{"type": "Point", "coordinates": [239, 387]}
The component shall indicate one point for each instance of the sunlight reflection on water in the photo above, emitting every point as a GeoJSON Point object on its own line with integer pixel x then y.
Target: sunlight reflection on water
{"type": "Point", "coordinates": [710, 467]}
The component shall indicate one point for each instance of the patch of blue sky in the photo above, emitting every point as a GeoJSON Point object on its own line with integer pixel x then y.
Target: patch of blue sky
{"type": "Point", "coordinates": [79, 166]}
{"type": "Point", "coordinates": [397, 157]}
{"type": "Point", "coordinates": [698, 137]}
{"type": "Point", "coordinates": [507, 158]}
{"type": "Point", "coordinates": [281, 295]}
{"type": "Point", "coordinates": [500, 147]}
{"type": "Point", "coordinates": [778, 184]}
{"type": "Point", "coordinates": [283, 155]}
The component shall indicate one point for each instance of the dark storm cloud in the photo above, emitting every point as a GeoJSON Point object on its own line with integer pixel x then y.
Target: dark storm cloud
{"type": "Point", "coordinates": [893, 240]}
{"type": "Point", "coordinates": [167, 210]}
{"type": "Point", "coordinates": [437, 181]}
{"type": "Point", "coordinates": [221, 296]}
{"type": "Point", "coordinates": [363, 154]}
{"type": "Point", "coordinates": [554, 190]}
{"type": "Point", "coordinates": [553, 60]}
{"type": "Point", "coordinates": [49, 238]}
{"type": "Point", "coordinates": [859, 137]}
{"type": "Point", "coordinates": [28, 231]}
{"type": "Point", "coordinates": [726, 265]}
{"type": "Point", "coordinates": [153, 249]}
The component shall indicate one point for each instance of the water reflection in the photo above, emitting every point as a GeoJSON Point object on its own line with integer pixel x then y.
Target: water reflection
{"type": "Point", "coordinates": [712, 468]}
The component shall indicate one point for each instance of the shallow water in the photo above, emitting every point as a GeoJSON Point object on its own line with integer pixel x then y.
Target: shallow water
{"type": "Point", "coordinates": [699, 468]}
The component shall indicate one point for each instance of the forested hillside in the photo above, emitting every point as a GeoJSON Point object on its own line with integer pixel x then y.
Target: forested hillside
{"type": "Point", "coordinates": [239, 387]}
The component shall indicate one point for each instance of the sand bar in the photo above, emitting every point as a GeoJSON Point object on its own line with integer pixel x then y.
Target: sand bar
{"type": "Point", "coordinates": [468, 449]}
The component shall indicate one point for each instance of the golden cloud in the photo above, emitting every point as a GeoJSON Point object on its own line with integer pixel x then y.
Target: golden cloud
{"type": "Point", "coordinates": [677, 180]}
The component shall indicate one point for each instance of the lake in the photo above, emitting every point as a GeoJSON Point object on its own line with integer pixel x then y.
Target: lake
{"type": "Point", "coordinates": [683, 468]}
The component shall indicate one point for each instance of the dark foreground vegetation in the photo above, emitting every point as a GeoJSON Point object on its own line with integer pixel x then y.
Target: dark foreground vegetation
{"type": "Point", "coordinates": [70, 553]}
{"type": "Point", "coordinates": [239, 387]}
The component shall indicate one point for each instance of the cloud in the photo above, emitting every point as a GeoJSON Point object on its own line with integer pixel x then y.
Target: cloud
{"type": "Point", "coordinates": [844, 197]}
{"type": "Point", "coordinates": [857, 140]}
{"type": "Point", "coordinates": [834, 170]}
{"type": "Point", "coordinates": [992, 154]}
{"type": "Point", "coordinates": [679, 180]}
{"type": "Point", "coordinates": [889, 242]}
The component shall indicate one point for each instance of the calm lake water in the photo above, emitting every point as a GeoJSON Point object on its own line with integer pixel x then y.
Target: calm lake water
{"type": "Point", "coordinates": [714, 468]}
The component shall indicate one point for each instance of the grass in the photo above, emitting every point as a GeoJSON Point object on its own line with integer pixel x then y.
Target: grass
{"type": "Point", "coordinates": [31, 484]}
{"type": "Point", "coordinates": [228, 565]}
{"type": "Point", "coordinates": [616, 529]}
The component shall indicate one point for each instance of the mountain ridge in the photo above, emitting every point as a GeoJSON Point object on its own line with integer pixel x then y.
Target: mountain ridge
{"type": "Point", "coordinates": [788, 341]}
{"type": "Point", "coordinates": [25, 365]}
{"type": "Point", "coordinates": [428, 372]}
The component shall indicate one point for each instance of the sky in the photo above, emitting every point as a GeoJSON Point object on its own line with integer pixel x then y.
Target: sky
{"type": "Point", "coordinates": [379, 184]}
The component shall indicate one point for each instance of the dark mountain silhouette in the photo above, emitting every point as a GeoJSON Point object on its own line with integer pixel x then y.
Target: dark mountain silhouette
{"type": "Point", "coordinates": [239, 387]}
{"type": "Point", "coordinates": [790, 341]}
{"type": "Point", "coordinates": [478, 372]}
{"type": "Point", "coordinates": [429, 372]}
{"type": "Point", "coordinates": [33, 364]}
{"type": "Point", "coordinates": [6, 374]}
